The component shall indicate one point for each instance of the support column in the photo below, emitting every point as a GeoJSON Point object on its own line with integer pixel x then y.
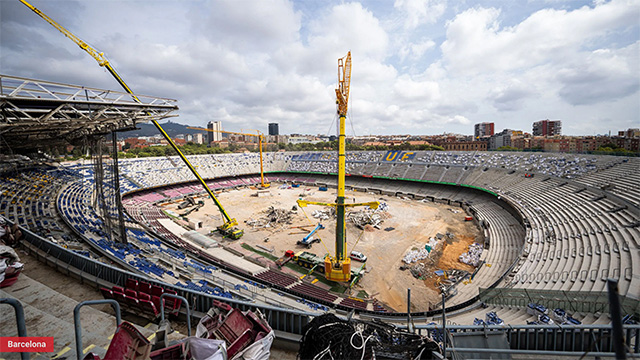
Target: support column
{"type": "Point", "coordinates": [116, 185]}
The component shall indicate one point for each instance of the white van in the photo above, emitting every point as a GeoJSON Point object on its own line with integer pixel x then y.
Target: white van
{"type": "Point", "coordinates": [356, 255]}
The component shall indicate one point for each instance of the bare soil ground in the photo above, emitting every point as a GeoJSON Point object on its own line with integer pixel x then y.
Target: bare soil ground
{"type": "Point", "coordinates": [413, 222]}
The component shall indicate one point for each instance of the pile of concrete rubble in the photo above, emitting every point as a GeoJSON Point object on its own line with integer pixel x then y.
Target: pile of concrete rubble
{"type": "Point", "coordinates": [368, 216]}
{"type": "Point", "coordinates": [272, 218]}
{"type": "Point", "coordinates": [329, 213]}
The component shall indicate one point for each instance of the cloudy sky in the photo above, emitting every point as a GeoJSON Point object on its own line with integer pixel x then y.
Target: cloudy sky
{"type": "Point", "coordinates": [419, 66]}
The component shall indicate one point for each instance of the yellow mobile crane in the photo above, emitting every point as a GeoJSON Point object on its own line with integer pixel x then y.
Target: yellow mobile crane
{"type": "Point", "coordinates": [338, 267]}
{"type": "Point", "coordinates": [260, 141]}
{"type": "Point", "coordinates": [229, 228]}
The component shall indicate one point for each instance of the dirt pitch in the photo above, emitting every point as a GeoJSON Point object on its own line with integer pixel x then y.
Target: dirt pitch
{"type": "Point", "coordinates": [413, 222]}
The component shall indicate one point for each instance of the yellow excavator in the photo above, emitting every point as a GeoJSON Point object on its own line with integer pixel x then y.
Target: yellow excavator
{"type": "Point", "coordinates": [227, 229]}
{"type": "Point", "coordinates": [338, 267]}
{"type": "Point", "coordinates": [260, 141]}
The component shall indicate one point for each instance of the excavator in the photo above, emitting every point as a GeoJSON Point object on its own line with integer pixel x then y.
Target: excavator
{"type": "Point", "coordinates": [260, 141]}
{"type": "Point", "coordinates": [338, 267]}
{"type": "Point", "coordinates": [229, 227]}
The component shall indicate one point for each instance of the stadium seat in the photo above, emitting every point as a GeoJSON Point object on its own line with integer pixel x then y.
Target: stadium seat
{"type": "Point", "coordinates": [132, 284]}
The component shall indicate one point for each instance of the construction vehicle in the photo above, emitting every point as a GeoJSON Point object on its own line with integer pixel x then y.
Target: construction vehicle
{"type": "Point", "coordinates": [309, 240]}
{"type": "Point", "coordinates": [195, 207]}
{"type": "Point", "coordinates": [338, 267]}
{"type": "Point", "coordinates": [316, 263]}
{"type": "Point", "coordinates": [228, 228]}
{"type": "Point", "coordinates": [260, 141]}
{"type": "Point", "coordinates": [309, 260]}
{"type": "Point", "coordinates": [188, 201]}
{"type": "Point", "coordinates": [284, 259]}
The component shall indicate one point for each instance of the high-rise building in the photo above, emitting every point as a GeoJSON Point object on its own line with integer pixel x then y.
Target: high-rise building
{"type": "Point", "coordinates": [273, 129]}
{"type": "Point", "coordinates": [214, 135]}
{"type": "Point", "coordinates": [483, 130]}
{"type": "Point", "coordinates": [197, 138]}
{"type": "Point", "coordinates": [547, 128]}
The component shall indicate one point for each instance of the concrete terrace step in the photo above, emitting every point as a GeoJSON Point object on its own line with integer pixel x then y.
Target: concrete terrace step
{"type": "Point", "coordinates": [49, 313]}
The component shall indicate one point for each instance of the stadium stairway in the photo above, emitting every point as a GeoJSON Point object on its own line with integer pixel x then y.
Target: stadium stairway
{"type": "Point", "coordinates": [50, 313]}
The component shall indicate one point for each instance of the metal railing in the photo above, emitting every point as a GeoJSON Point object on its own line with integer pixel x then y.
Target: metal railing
{"type": "Point", "coordinates": [20, 321]}
{"type": "Point", "coordinates": [558, 338]}
{"type": "Point", "coordinates": [574, 301]}
{"type": "Point", "coordinates": [78, 326]}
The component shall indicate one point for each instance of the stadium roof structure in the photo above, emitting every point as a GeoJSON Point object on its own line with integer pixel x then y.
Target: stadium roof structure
{"type": "Point", "coordinates": [35, 113]}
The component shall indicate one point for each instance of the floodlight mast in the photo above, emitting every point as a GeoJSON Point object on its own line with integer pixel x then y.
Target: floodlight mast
{"type": "Point", "coordinates": [228, 228]}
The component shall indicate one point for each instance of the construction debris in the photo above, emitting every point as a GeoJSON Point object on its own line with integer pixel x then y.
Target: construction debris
{"type": "Point", "coordinates": [330, 213]}
{"type": "Point", "coordinates": [417, 255]}
{"type": "Point", "coordinates": [419, 271]}
{"type": "Point", "coordinates": [472, 257]}
{"type": "Point", "coordinates": [369, 216]}
{"type": "Point", "coordinates": [273, 218]}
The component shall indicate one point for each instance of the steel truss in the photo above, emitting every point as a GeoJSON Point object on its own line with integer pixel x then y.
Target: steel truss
{"type": "Point", "coordinates": [35, 113]}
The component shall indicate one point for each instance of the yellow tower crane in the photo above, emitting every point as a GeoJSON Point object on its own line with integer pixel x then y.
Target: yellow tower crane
{"type": "Point", "coordinates": [338, 267]}
{"type": "Point", "coordinates": [260, 141]}
{"type": "Point", "coordinates": [229, 228]}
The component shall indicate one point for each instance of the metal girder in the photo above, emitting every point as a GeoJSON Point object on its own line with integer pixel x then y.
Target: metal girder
{"type": "Point", "coordinates": [35, 113]}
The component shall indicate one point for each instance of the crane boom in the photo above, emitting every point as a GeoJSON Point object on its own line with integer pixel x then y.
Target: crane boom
{"type": "Point", "coordinates": [338, 267]}
{"type": "Point", "coordinates": [228, 227]}
{"type": "Point", "coordinates": [260, 141]}
{"type": "Point", "coordinates": [344, 83]}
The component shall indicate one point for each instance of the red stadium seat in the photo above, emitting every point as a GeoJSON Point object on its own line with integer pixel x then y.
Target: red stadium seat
{"type": "Point", "coordinates": [156, 290]}
{"type": "Point", "coordinates": [132, 284]}
{"type": "Point", "coordinates": [148, 308]}
{"type": "Point", "coordinates": [106, 293]}
{"type": "Point", "coordinates": [131, 293]}
{"type": "Point", "coordinates": [143, 296]}
{"type": "Point", "coordinates": [144, 288]}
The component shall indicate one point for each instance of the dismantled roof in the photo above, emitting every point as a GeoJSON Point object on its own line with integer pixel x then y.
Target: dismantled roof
{"type": "Point", "coordinates": [36, 114]}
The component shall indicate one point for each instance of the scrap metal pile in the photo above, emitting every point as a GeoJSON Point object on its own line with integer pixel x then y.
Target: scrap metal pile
{"type": "Point", "coordinates": [329, 213]}
{"type": "Point", "coordinates": [272, 218]}
{"type": "Point", "coordinates": [328, 337]}
{"type": "Point", "coordinates": [369, 216]}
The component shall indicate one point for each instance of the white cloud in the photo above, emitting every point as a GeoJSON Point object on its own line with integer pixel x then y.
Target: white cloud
{"type": "Point", "coordinates": [476, 42]}
{"type": "Point", "coordinates": [418, 66]}
{"type": "Point", "coordinates": [419, 12]}
{"type": "Point", "coordinates": [602, 75]}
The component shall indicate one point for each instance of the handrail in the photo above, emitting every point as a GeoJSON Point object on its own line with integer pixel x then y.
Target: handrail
{"type": "Point", "coordinates": [20, 322]}
{"type": "Point", "coordinates": [186, 305]}
{"type": "Point", "coordinates": [78, 327]}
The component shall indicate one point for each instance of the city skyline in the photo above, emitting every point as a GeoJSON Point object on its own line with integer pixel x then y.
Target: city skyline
{"type": "Point", "coordinates": [419, 67]}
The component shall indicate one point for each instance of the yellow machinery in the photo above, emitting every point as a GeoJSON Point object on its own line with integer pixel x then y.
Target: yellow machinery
{"type": "Point", "coordinates": [338, 267]}
{"type": "Point", "coordinates": [260, 141]}
{"type": "Point", "coordinates": [229, 228]}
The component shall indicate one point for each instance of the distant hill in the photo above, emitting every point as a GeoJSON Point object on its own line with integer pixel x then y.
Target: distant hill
{"type": "Point", "coordinates": [171, 128]}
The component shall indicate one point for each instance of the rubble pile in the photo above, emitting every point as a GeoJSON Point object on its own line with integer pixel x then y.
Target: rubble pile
{"type": "Point", "coordinates": [472, 257]}
{"type": "Point", "coordinates": [271, 218]}
{"type": "Point", "coordinates": [327, 214]}
{"type": "Point", "coordinates": [419, 271]}
{"type": "Point", "coordinates": [417, 255]}
{"type": "Point", "coordinates": [369, 216]}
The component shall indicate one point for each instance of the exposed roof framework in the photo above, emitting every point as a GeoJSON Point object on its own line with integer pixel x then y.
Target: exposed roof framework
{"type": "Point", "coordinates": [35, 113]}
